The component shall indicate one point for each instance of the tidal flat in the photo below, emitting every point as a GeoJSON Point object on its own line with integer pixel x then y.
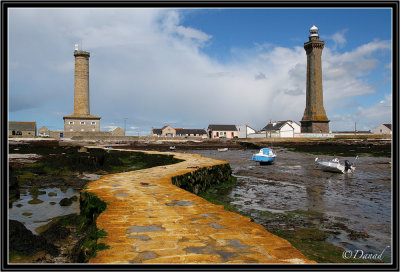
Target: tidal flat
{"type": "Point", "coordinates": [322, 214]}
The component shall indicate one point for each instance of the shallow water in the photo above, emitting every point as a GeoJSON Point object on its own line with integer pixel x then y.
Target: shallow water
{"type": "Point", "coordinates": [361, 200]}
{"type": "Point", "coordinates": [42, 212]}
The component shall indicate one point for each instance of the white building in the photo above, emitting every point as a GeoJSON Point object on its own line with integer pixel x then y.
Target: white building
{"type": "Point", "coordinates": [244, 131]}
{"type": "Point", "coordinates": [283, 129]}
{"type": "Point", "coordinates": [384, 129]}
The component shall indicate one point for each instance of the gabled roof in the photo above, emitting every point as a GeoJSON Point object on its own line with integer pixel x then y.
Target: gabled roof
{"type": "Point", "coordinates": [389, 126]}
{"type": "Point", "coordinates": [157, 130]}
{"type": "Point", "coordinates": [14, 125]}
{"type": "Point", "coordinates": [190, 131]}
{"type": "Point", "coordinates": [223, 127]}
{"type": "Point", "coordinates": [271, 127]}
{"type": "Point", "coordinates": [278, 125]}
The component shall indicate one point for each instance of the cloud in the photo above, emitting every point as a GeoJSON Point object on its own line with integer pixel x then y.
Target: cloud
{"type": "Point", "coordinates": [109, 127]}
{"type": "Point", "coordinates": [260, 76]}
{"type": "Point", "coordinates": [366, 118]}
{"type": "Point", "coordinates": [338, 38]}
{"type": "Point", "coordinates": [146, 65]}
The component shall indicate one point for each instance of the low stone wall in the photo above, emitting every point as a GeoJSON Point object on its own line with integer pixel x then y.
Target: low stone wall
{"type": "Point", "coordinates": [200, 180]}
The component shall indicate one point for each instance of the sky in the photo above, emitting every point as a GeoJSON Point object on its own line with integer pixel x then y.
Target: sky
{"type": "Point", "coordinates": [194, 67]}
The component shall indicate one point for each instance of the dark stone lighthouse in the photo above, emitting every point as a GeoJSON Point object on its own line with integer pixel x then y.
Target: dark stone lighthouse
{"type": "Point", "coordinates": [314, 118]}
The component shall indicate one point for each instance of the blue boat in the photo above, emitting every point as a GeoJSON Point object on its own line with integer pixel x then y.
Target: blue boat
{"type": "Point", "coordinates": [264, 156]}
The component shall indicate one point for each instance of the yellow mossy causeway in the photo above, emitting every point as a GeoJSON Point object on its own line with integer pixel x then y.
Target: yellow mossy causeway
{"type": "Point", "coordinates": [150, 220]}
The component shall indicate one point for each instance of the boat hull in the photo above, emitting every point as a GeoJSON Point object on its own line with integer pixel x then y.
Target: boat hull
{"type": "Point", "coordinates": [334, 167]}
{"type": "Point", "coordinates": [263, 159]}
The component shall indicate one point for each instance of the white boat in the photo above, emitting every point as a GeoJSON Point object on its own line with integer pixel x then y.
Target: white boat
{"type": "Point", "coordinates": [172, 148]}
{"type": "Point", "coordinates": [335, 166]}
{"type": "Point", "coordinates": [222, 149]}
{"type": "Point", "coordinates": [264, 156]}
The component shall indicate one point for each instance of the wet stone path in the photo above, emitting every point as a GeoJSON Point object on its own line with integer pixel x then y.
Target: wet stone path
{"type": "Point", "coordinates": [149, 220]}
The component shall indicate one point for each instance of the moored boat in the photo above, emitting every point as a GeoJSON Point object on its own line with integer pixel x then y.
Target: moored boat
{"type": "Point", "coordinates": [222, 149]}
{"type": "Point", "coordinates": [264, 156]}
{"type": "Point", "coordinates": [335, 166]}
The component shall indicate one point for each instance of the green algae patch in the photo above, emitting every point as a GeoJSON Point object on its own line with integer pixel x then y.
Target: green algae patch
{"type": "Point", "coordinates": [335, 147]}
{"type": "Point", "coordinates": [311, 242]}
{"type": "Point", "coordinates": [35, 201]}
{"type": "Point", "coordinates": [63, 188]}
{"type": "Point", "coordinates": [201, 180]}
{"type": "Point", "coordinates": [90, 245]}
{"type": "Point", "coordinates": [52, 221]}
{"type": "Point", "coordinates": [27, 214]}
{"type": "Point", "coordinates": [34, 191]}
{"type": "Point", "coordinates": [216, 194]}
{"type": "Point", "coordinates": [210, 183]}
{"type": "Point", "coordinates": [91, 206]}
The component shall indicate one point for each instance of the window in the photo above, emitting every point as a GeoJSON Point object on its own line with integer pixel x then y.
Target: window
{"type": "Point", "coordinates": [232, 134]}
{"type": "Point", "coordinates": [71, 122]}
{"type": "Point", "coordinates": [217, 134]}
{"type": "Point", "coordinates": [93, 123]}
{"type": "Point", "coordinates": [82, 122]}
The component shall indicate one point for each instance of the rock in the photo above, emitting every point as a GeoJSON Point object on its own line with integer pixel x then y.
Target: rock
{"type": "Point", "coordinates": [65, 202]}
{"type": "Point", "coordinates": [23, 241]}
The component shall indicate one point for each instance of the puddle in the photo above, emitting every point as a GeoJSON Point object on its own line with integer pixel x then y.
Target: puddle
{"type": "Point", "coordinates": [146, 255]}
{"type": "Point", "coordinates": [141, 237]}
{"type": "Point", "coordinates": [216, 226]}
{"type": "Point", "coordinates": [121, 194]}
{"type": "Point", "coordinates": [180, 203]}
{"type": "Point", "coordinates": [42, 212]}
{"type": "Point", "coordinates": [150, 228]}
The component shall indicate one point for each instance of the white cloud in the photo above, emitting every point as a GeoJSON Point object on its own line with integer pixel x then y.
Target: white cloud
{"type": "Point", "coordinates": [339, 39]}
{"type": "Point", "coordinates": [366, 118]}
{"type": "Point", "coordinates": [109, 127]}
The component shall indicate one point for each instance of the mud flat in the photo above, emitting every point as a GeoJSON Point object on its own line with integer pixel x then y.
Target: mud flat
{"type": "Point", "coordinates": [314, 210]}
